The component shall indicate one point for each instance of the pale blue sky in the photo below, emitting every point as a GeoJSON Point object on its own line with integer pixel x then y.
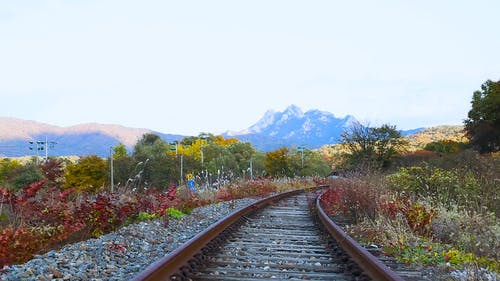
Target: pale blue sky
{"type": "Point", "coordinates": [209, 66]}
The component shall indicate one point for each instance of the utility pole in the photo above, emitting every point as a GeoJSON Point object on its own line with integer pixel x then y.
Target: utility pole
{"type": "Point", "coordinates": [35, 145]}
{"type": "Point", "coordinates": [41, 145]}
{"type": "Point", "coordinates": [46, 149]}
{"type": "Point", "coordinates": [301, 149]}
{"type": "Point", "coordinates": [182, 172]}
{"type": "Point", "coordinates": [111, 168]}
{"type": "Point", "coordinates": [201, 155]}
{"type": "Point", "coordinates": [251, 168]}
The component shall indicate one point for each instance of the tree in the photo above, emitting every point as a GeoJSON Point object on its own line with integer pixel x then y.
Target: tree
{"type": "Point", "coordinates": [372, 147]}
{"type": "Point", "coordinates": [314, 165]}
{"type": "Point", "coordinates": [220, 140]}
{"type": "Point", "coordinates": [276, 163]}
{"type": "Point", "coordinates": [154, 166]}
{"type": "Point", "coordinates": [27, 175]}
{"type": "Point", "coordinates": [90, 173]}
{"type": "Point", "coordinates": [258, 164]}
{"type": "Point", "coordinates": [388, 143]}
{"type": "Point", "coordinates": [15, 176]}
{"type": "Point", "coordinates": [243, 152]}
{"type": "Point", "coordinates": [445, 146]}
{"type": "Point", "coordinates": [53, 170]}
{"type": "Point", "coordinates": [483, 123]}
{"type": "Point", "coordinates": [119, 151]}
{"type": "Point", "coordinates": [123, 169]}
{"type": "Point", "coordinates": [8, 170]}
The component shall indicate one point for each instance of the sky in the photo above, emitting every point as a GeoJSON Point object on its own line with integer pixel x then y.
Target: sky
{"type": "Point", "coordinates": [187, 67]}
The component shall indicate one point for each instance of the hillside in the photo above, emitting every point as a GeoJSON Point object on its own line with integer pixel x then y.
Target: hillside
{"type": "Point", "coordinates": [291, 127]}
{"type": "Point", "coordinates": [420, 139]}
{"type": "Point", "coordinates": [416, 141]}
{"type": "Point", "coordinates": [82, 139]}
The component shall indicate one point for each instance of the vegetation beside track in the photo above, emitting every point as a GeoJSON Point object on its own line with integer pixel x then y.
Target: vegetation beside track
{"type": "Point", "coordinates": [41, 217]}
{"type": "Point", "coordinates": [442, 212]}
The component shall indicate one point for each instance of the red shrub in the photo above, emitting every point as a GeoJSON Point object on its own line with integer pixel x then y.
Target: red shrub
{"type": "Point", "coordinates": [416, 215]}
{"type": "Point", "coordinates": [331, 200]}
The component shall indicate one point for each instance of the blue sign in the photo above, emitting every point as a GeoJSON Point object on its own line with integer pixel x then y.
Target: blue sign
{"type": "Point", "coordinates": [191, 185]}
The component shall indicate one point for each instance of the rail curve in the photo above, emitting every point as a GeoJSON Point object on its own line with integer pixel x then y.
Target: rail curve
{"type": "Point", "coordinates": [274, 238]}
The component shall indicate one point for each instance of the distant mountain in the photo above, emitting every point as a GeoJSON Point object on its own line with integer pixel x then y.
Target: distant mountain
{"type": "Point", "coordinates": [83, 139]}
{"type": "Point", "coordinates": [292, 127]}
{"type": "Point", "coordinates": [311, 129]}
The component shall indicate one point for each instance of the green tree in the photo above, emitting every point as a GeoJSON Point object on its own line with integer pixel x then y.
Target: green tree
{"type": "Point", "coordinates": [224, 164]}
{"type": "Point", "coordinates": [15, 176]}
{"type": "Point", "coordinates": [483, 123]}
{"type": "Point", "coordinates": [444, 146]}
{"type": "Point", "coordinates": [258, 164]}
{"type": "Point", "coordinates": [119, 151]}
{"type": "Point", "coordinates": [388, 143]}
{"type": "Point", "coordinates": [277, 164]}
{"type": "Point", "coordinates": [89, 173]}
{"type": "Point", "coordinates": [8, 170]}
{"type": "Point", "coordinates": [242, 152]}
{"type": "Point", "coordinates": [123, 169]}
{"type": "Point", "coordinates": [123, 165]}
{"type": "Point", "coordinates": [315, 165]}
{"type": "Point", "coordinates": [157, 168]}
{"type": "Point", "coordinates": [26, 175]}
{"type": "Point", "coordinates": [371, 147]}
{"type": "Point", "coordinates": [303, 162]}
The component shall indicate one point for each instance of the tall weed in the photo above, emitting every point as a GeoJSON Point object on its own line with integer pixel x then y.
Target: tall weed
{"type": "Point", "coordinates": [473, 232]}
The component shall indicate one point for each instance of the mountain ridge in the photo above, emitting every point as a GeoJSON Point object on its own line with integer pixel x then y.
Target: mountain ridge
{"type": "Point", "coordinates": [81, 139]}
{"type": "Point", "coordinates": [15, 128]}
{"type": "Point", "coordinates": [291, 127]}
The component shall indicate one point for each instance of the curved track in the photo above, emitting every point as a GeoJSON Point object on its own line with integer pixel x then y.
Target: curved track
{"type": "Point", "coordinates": [276, 238]}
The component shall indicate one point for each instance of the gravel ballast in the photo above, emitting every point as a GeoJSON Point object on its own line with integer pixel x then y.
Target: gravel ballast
{"type": "Point", "coordinates": [122, 254]}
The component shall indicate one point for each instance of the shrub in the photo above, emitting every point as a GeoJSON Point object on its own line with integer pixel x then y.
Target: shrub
{"type": "Point", "coordinates": [89, 174]}
{"type": "Point", "coordinates": [145, 216]}
{"type": "Point", "coordinates": [445, 146]}
{"type": "Point", "coordinates": [449, 187]}
{"type": "Point", "coordinates": [253, 188]}
{"type": "Point", "coordinates": [470, 231]}
{"type": "Point", "coordinates": [353, 198]}
{"type": "Point", "coordinates": [174, 213]}
{"type": "Point", "coordinates": [40, 217]}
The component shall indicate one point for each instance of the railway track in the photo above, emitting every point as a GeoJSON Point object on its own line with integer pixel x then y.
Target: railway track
{"type": "Point", "coordinates": [277, 238]}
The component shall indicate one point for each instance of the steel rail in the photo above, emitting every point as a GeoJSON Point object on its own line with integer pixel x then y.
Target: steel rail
{"type": "Point", "coordinates": [372, 266]}
{"type": "Point", "coordinates": [171, 266]}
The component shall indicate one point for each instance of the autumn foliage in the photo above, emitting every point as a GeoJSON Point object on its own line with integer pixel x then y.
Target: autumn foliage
{"type": "Point", "coordinates": [42, 217]}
